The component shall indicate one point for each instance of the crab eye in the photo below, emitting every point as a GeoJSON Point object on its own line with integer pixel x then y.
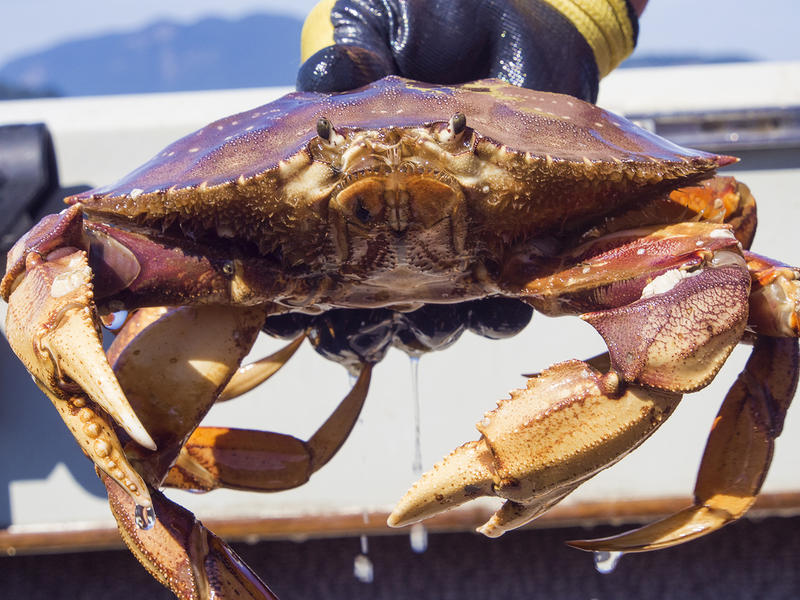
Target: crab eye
{"type": "Point", "coordinates": [458, 123]}
{"type": "Point", "coordinates": [324, 128]}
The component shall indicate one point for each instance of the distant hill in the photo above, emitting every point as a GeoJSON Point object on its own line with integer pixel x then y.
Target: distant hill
{"type": "Point", "coordinates": [214, 53]}
{"type": "Point", "coordinates": [259, 50]}
{"type": "Point", "coordinates": [675, 60]}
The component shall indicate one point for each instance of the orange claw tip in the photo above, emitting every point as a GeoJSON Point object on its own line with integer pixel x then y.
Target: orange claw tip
{"type": "Point", "coordinates": [459, 478]}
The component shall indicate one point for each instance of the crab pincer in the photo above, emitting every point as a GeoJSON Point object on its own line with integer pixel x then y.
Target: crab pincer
{"type": "Point", "coordinates": [52, 326]}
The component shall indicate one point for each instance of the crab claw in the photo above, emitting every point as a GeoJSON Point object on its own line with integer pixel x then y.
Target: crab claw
{"type": "Point", "coordinates": [532, 454]}
{"type": "Point", "coordinates": [737, 455]}
{"type": "Point", "coordinates": [50, 326]}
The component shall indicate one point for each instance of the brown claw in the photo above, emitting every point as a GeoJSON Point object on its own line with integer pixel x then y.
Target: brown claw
{"type": "Point", "coordinates": [532, 454]}
{"type": "Point", "coordinates": [181, 554]}
{"type": "Point", "coordinates": [736, 458]}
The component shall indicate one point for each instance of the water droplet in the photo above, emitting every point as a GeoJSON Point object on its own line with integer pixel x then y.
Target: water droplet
{"type": "Point", "coordinates": [362, 569]}
{"type": "Point", "coordinates": [145, 517]}
{"type": "Point", "coordinates": [115, 320]}
{"type": "Point", "coordinates": [606, 562]}
{"type": "Point", "coordinates": [416, 463]}
{"type": "Point", "coordinates": [418, 538]}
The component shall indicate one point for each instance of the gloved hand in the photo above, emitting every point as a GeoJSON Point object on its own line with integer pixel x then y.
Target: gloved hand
{"type": "Point", "coordinates": [553, 45]}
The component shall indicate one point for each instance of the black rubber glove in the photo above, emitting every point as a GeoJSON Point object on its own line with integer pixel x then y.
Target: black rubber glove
{"type": "Point", "coordinates": [553, 45]}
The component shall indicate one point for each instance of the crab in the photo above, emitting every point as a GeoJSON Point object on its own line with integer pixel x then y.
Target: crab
{"type": "Point", "coordinates": [357, 212]}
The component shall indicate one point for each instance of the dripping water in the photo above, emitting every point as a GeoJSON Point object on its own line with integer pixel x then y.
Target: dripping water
{"type": "Point", "coordinates": [605, 562]}
{"type": "Point", "coordinates": [416, 464]}
{"type": "Point", "coordinates": [363, 569]}
{"type": "Point", "coordinates": [418, 537]}
{"type": "Point", "coordinates": [144, 516]}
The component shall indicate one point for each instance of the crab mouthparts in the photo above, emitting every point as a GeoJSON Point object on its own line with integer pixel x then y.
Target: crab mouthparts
{"type": "Point", "coordinates": [377, 214]}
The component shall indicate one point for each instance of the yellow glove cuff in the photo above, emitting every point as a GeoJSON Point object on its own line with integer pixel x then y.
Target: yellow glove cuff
{"type": "Point", "coordinates": [606, 26]}
{"type": "Point", "coordinates": [317, 30]}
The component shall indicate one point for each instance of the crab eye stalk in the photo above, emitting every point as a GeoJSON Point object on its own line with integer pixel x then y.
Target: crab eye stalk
{"type": "Point", "coordinates": [324, 129]}
{"type": "Point", "coordinates": [458, 123]}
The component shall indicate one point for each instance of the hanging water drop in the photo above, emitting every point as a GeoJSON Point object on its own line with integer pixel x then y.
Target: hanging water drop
{"type": "Point", "coordinates": [416, 463]}
{"type": "Point", "coordinates": [115, 320]}
{"type": "Point", "coordinates": [418, 538]}
{"type": "Point", "coordinates": [605, 562]}
{"type": "Point", "coordinates": [362, 569]}
{"type": "Point", "coordinates": [145, 517]}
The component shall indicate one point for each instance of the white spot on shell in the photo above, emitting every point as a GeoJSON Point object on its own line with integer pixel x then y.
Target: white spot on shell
{"type": "Point", "coordinates": [640, 251]}
{"type": "Point", "coordinates": [586, 270]}
{"type": "Point", "coordinates": [195, 149]}
{"type": "Point", "coordinates": [136, 192]}
{"type": "Point", "coordinates": [722, 234]}
{"type": "Point", "coordinates": [665, 282]}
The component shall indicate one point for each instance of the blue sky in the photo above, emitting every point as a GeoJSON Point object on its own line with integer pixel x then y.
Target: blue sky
{"type": "Point", "coordinates": [765, 30]}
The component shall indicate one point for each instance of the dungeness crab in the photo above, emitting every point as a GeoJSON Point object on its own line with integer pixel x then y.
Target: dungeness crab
{"type": "Point", "coordinates": [400, 196]}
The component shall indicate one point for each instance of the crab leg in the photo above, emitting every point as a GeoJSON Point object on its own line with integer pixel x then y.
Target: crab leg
{"type": "Point", "coordinates": [181, 554]}
{"type": "Point", "coordinates": [737, 455]}
{"type": "Point", "coordinates": [249, 376]}
{"type": "Point", "coordinates": [195, 350]}
{"type": "Point", "coordinates": [216, 457]}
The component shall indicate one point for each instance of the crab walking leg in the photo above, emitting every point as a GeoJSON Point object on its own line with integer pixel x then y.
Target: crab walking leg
{"type": "Point", "coordinates": [181, 554]}
{"type": "Point", "coordinates": [216, 457]}
{"type": "Point", "coordinates": [250, 376]}
{"type": "Point", "coordinates": [531, 453]}
{"type": "Point", "coordinates": [737, 455]}
{"type": "Point", "coordinates": [195, 350]}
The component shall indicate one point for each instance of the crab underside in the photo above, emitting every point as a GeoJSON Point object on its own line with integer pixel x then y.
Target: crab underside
{"type": "Point", "coordinates": [402, 214]}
